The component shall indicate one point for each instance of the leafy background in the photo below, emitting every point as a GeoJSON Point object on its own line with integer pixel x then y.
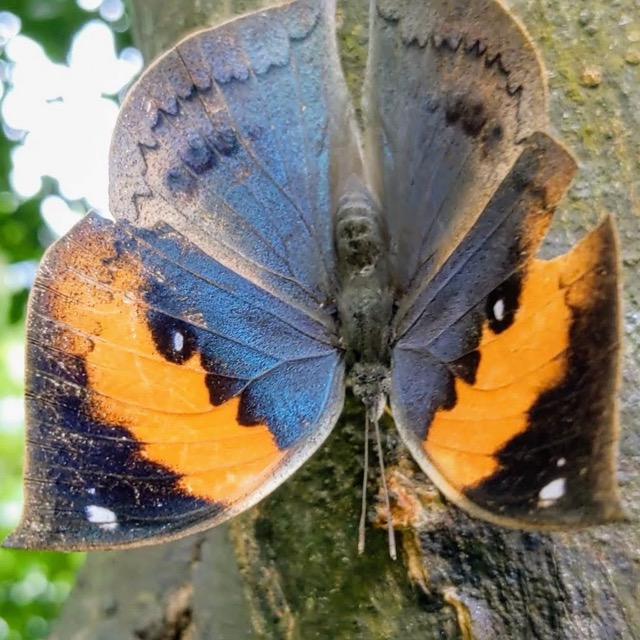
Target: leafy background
{"type": "Point", "coordinates": [32, 585]}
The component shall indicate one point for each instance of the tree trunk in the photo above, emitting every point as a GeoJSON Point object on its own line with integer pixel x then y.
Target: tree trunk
{"type": "Point", "coordinates": [289, 568]}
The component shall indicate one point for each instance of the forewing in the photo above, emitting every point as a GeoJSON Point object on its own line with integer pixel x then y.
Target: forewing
{"type": "Point", "coordinates": [183, 361]}
{"type": "Point", "coordinates": [505, 370]}
{"type": "Point", "coordinates": [232, 139]}
{"type": "Point", "coordinates": [452, 89]}
{"type": "Point", "coordinates": [164, 392]}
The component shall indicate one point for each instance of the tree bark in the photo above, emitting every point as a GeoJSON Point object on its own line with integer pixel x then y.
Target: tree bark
{"type": "Point", "coordinates": [289, 568]}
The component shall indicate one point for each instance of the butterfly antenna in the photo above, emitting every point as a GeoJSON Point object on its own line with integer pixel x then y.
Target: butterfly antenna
{"type": "Point", "coordinates": [385, 489]}
{"type": "Point", "coordinates": [363, 511]}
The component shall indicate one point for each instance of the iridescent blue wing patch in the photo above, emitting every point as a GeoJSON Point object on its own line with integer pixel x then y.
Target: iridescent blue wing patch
{"type": "Point", "coordinates": [232, 139]}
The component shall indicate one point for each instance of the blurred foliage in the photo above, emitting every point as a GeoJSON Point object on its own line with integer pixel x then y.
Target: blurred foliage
{"type": "Point", "coordinates": [53, 23]}
{"type": "Point", "coordinates": [32, 585]}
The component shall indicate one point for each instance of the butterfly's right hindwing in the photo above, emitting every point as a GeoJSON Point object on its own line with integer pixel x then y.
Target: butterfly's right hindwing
{"type": "Point", "coordinates": [504, 367]}
{"type": "Point", "coordinates": [232, 139]}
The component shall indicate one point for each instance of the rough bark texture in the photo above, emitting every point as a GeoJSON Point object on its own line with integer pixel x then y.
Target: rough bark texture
{"type": "Point", "coordinates": [295, 572]}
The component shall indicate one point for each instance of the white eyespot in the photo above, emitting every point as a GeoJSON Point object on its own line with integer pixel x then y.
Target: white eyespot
{"type": "Point", "coordinates": [91, 491]}
{"type": "Point", "coordinates": [552, 492]}
{"type": "Point", "coordinates": [103, 517]}
{"type": "Point", "coordinates": [498, 310]}
{"type": "Point", "coordinates": [178, 342]}
{"type": "Point", "coordinates": [561, 462]}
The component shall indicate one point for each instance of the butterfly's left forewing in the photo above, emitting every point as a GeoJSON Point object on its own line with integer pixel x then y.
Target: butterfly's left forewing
{"type": "Point", "coordinates": [161, 402]}
{"type": "Point", "coordinates": [183, 361]}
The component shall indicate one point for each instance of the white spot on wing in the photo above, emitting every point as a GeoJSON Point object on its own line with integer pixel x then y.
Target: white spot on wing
{"type": "Point", "coordinates": [178, 342]}
{"type": "Point", "coordinates": [561, 462]}
{"type": "Point", "coordinates": [498, 310]}
{"type": "Point", "coordinates": [103, 517]}
{"type": "Point", "coordinates": [552, 492]}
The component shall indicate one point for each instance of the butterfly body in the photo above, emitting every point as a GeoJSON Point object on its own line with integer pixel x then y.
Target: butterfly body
{"type": "Point", "coordinates": [186, 358]}
{"type": "Point", "coordinates": [365, 300]}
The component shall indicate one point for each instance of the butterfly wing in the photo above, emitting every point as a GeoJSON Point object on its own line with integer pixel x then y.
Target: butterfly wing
{"type": "Point", "coordinates": [452, 87]}
{"type": "Point", "coordinates": [181, 362]}
{"type": "Point", "coordinates": [237, 139]}
{"type": "Point", "coordinates": [504, 367]}
{"type": "Point", "coordinates": [505, 372]}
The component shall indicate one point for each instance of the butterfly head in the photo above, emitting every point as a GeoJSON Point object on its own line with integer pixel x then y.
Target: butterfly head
{"type": "Point", "coordinates": [370, 383]}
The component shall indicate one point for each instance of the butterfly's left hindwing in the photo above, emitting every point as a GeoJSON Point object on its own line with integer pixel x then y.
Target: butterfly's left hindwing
{"type": "Point", "coordinates": [452, 88]}
{"type": "Point", "coordinates": [160, 402]}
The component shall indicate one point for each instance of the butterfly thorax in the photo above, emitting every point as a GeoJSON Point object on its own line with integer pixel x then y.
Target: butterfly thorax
{"type": "Point", "coordinates": [365, 300]}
